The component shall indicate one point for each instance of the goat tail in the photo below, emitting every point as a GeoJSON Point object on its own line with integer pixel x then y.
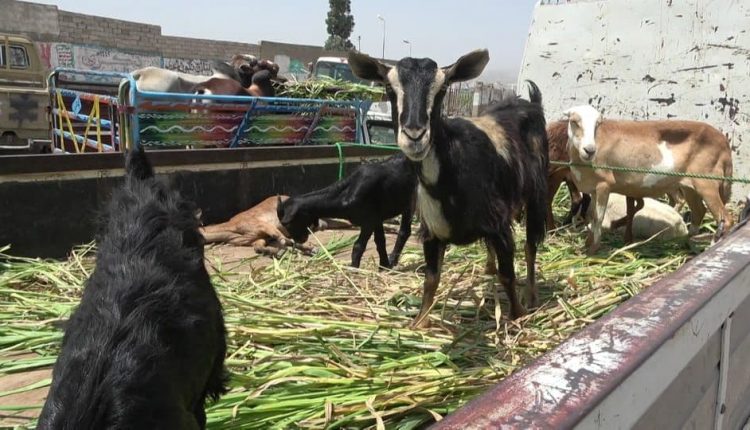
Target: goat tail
{"type": "Point", "coordinates": [137, 165]}
{"type": "Point", "coordinates": [536, 188]}
{"type": "Point", "coordinates": [535, 95]}
{"type": "Point", "coordinates": [536, 209]}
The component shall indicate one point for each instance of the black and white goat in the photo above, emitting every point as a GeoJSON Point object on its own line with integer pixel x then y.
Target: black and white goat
{"type": "Point", "coordinates": [372, 194]}
{"type": "Point", "coordinates": [475, 174]}
{"type": "Point", "coordinates": [146, 345]}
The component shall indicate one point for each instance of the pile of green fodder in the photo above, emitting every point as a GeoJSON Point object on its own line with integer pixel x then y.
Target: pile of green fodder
{"type": "Point", "coordinates": [326, 88]}
{"type": "Point", "coordinates": [316, 344]}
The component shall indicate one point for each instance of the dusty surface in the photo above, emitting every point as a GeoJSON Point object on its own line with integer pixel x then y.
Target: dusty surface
{"type": "Point", "coordinates": [33, 397]}
{"type": "Point", "coordinates": [229, 254]}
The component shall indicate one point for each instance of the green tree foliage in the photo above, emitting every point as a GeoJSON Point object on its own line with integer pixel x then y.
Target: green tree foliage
{"type": "Point", "coordinates": [340, 23]}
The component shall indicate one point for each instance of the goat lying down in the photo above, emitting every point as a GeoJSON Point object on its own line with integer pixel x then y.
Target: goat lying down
{"type": "Point", "coordinates": [372, 194]}
{"type": "Point", "coordinates": [474, 174]}
{"type": "Point", "coordinates": [654, 218]}
{"type": "Point", "coordinates": [673, 146]}
{"type": "Point", "coordinates": [258, 227]}
{"type": "Point", "coordinates": [146, 346]}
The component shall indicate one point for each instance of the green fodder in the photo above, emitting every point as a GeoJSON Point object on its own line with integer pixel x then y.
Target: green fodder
{"type": "Point", "coordinates": [314, 343]}
{"type": "Point", "coordinates": [326, 88]}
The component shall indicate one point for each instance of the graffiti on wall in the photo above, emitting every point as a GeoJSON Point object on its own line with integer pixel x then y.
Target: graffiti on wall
{"type": "Point", "coordinates": [111, 60]}
{"type": "Point", "coordinates": [194, 66]}
{"type": "Point", "coordinates": [92, 58]}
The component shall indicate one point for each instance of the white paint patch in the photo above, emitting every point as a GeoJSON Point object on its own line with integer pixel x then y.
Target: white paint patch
{"type": "Point", "coordinates": [495, 133]}
{"type": "Point", "coordinates": [665, 165]}
{"type": "Point", "coordinates": [431, 212]}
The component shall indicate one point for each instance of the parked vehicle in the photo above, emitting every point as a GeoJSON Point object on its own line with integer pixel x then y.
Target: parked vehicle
{"type": "Point", "coordinates": [335, 68]}
{"type": "Point", "coordinates": [23, 97]}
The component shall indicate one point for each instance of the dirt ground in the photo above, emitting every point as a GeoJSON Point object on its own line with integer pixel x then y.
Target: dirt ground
{"type": "Point", "coordinates": [34, 397]}
{"type": "Point", "coordinates": [228, 255]}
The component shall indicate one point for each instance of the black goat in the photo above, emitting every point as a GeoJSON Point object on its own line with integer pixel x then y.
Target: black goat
{"type": "Point", "coordinates": [474, 174]}
{"type": "Point", "coordinates": [372, 194]}
{"type": "Point", "coordinates": [146, 345]}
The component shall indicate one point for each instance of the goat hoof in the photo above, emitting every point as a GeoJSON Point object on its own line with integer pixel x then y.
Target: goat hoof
{"type": "Point", "coordinates": [592, 250]}
{"type": "Point", "coordinates": [518, 313]}
{"type": "Point", "coordinates": [417, 324]}
{"type": "Point", "coordinates": [532, 302]}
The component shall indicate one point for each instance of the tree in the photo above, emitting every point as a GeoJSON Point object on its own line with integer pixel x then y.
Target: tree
{"type": "Point", "coordinates": [340, 23]}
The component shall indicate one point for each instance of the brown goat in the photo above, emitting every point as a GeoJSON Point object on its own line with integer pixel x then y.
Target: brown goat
{"type": "Point", "coordinates": [258, 227]}
{"type": "Point", "coordinates": [557, 133]}
{"type": "Point", "coordinates": [675, 146]}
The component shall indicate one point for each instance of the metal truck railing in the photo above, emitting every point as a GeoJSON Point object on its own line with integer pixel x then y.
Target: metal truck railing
{"type": "Point", "coordinates": [93, 119]}
{"type": "Point", "coordinates": [85, 116]}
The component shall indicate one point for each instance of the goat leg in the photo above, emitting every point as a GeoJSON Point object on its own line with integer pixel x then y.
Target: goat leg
{"type": "Point", "coordinates": [532, 295]}
{"type": "Point", "coordinates": [579, 203]}
{"type": "Point", "coordinates": [506, 272]}
{"type": "Point", "coordinates": [380, 246]}
{"type": "Point", "coordinates": [360, 245]}
{"type": "Point", "coordinates": [434, 250]}
{"type": "Point", "coordinates": [261, 246]}
{"type": "Point", "coordinates": [490, 266]}
{"type": "Point", "coordinates": [633, 206]}
{"type": "Point", "coordinates": [404, 232]}
{"type": "Point", "coordinates": [305, 249]}
{"type": "Point", "coordinates": [553, 183]}
{"type": "Point", "coordinates": [600, 196]}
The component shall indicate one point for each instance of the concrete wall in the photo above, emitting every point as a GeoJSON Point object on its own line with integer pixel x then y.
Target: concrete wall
{"type": "Point", "coordinates": [647, 59]}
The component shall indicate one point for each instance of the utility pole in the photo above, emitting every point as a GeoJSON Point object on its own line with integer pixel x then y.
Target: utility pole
{"type": "Point", "coordinates": [380, 17]}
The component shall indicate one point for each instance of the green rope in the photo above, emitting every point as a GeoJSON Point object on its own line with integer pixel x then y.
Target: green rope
{"type": "Point", "coordinates": [653, 172]}
{"type": "Point", "coordinates": [340, 145]}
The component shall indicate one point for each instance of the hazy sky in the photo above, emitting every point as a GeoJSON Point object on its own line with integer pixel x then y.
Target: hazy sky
{"type": "Point", "coordinates": [440, 29]}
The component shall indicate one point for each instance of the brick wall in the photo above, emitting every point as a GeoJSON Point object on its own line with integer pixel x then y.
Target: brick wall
{"type": "Point", "coordinates": [29, 19]}
{"type": "Point", "coordinates": [108, 32]}
{"type": "Point", "coordinates": [45, 23]}
{"type": "Point", "coordinates": [186, 47]}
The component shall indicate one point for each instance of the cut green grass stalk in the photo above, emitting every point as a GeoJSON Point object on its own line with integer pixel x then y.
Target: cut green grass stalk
{"type": "Point", "coordinates": [313, 343]}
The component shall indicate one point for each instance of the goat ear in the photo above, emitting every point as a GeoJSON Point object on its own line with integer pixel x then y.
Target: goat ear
{"type": "Point", "coordinates": [366, 67]}
{"type": "Point", "coordinates": [468, 66]}
{"type": "Point", "coordinates": [566, 114]}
